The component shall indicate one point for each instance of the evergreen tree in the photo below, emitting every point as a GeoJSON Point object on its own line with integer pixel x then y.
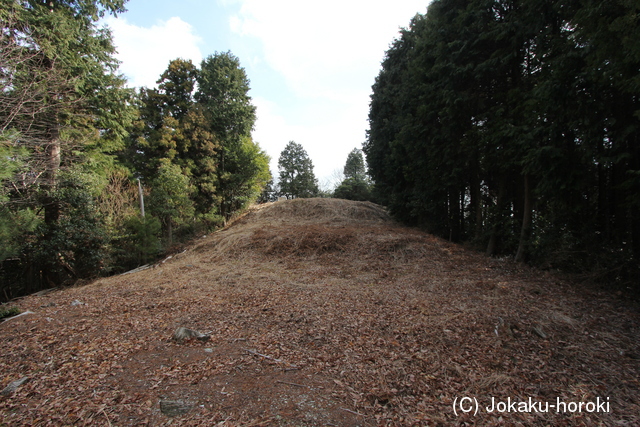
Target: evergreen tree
{"type": "Point", "coordinates": [356, 184]}
{"type": "Point", "coordinates": [165, 123]}
{"type": "Point", "coordinates": [63, 108]}
{"type": "Point", "coordinates": [247, 173]}
{"type": "Point", "coordinates": [385, 158]}
{"type": "Point", "coordinates": [206, 132]}
{"type": "Point", "coordinates": [269, 192]}
{"type": "Point", "coordinates": [169, 199]}
{"type": "Point", "coordinates": [354, 167]}
{"type": "Point", "coordinates": [61, 83]}
{"type": "Point", "coordinates": [296, 172]}
{"type": "Point", "coordinates": [514, 124]}
{"type": "Point", "coordinates": [14, 223]}
{"type": "Point", "coordinates": [228, 117]}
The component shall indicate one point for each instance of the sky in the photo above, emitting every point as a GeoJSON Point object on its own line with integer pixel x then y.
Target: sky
{"type": "Point", "coordinates": [311, 65]}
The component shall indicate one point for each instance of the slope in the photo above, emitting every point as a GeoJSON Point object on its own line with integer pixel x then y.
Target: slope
{"type": "Point", "coordinates": [322, 312]}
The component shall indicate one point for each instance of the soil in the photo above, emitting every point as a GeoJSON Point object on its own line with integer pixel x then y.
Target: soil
{"type": "Point", "coordinates": [324, 312]}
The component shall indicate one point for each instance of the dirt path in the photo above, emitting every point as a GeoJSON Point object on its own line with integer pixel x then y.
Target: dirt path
{"type": "Point", "coordinates": [323, 312]}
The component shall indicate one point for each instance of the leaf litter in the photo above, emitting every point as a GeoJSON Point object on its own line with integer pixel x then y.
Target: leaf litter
{"type": "Point", "coordinates": [321, 312]}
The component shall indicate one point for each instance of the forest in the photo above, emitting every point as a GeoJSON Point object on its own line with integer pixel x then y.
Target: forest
{"type": "Point", "coordinates": [82, 155]}
{"type": "Point", "coordinates": [514, 127]}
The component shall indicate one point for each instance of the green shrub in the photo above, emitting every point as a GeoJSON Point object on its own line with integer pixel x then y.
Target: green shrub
{"type": "Point", "coordinates": [9, 312]}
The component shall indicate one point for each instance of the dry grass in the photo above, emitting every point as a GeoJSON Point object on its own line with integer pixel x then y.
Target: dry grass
{"type": "Point", "coordinates": [363, 322]}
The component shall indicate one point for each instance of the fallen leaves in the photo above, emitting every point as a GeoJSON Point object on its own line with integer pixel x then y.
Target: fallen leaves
{"type": "Point", "coordinates": [319, 312]}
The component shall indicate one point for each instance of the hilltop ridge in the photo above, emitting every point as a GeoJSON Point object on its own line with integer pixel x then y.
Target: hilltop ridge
{"type": "Point", "coordinates": [320, 312]}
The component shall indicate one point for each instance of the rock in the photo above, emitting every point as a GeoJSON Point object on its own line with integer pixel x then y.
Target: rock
{"type": "Point", "coordinates": [45, 291]}
{"type": "Point", "coordinates": [12, 387]}
{"type": "Point", "coordinates": [539, 332]}
{"type": "Point", "coordinates": [135, 270]}
{"type": "Point", "coordinates": [184, 334]}
{"type": "Point", "coordinates": [173, 408]}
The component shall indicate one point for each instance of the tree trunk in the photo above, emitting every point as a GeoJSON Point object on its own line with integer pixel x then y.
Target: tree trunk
{"type": "Point", "coordinates": [603, 213]}
{"type": "Point", "coordinates": [475, 206]}
{"type": "Point", "coordinates": [492, 246]}
{"type": "Point", "coordinates": [527, 217]}
{"type": "Point", "coordinates": [633, 192]}
{"type": "Point", "coordinates": [141, 196]}
{"type": "Point", "coordinates": [51, 206]}
{"type": "Point", "coordinates": [454, 216]}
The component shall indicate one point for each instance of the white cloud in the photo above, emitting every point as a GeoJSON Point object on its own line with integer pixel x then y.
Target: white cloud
{"type": "Point", "coordinates": [145, 52]}
{"type": "Point", "coordinates": [330, 49]}
{"type": "Point", "coordinates": [328, 136]}
{"type": "Point", "coordinates": [328, 53]}
{"type": "Point", "coordinates": [273, 131]}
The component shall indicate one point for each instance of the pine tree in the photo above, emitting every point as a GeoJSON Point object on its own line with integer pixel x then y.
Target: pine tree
{"type": "Point", "coordinates": [354, 166]}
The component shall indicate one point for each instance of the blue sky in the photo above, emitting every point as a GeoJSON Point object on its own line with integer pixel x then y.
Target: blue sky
{"type": "Point", "coordinates": [311, 64]}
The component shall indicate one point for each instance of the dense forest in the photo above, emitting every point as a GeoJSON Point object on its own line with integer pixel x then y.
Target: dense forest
{"type": "Point", "coordinates": [515, 126]}
{"type": "Point", "coordinates": [98, 178]}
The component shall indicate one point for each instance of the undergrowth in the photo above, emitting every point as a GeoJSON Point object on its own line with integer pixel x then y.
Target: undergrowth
{"type": "Point", "coordinates": [8, 312]}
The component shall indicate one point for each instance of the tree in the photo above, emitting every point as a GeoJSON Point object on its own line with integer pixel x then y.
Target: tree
{"type": "Point", "coordinates": [74, 247]}
{"type": "Point", "coordinates": [169, 199]}
{"type": "Point", "coordinates": [206, 132]}
{"type": "Point", "coordinates": [229, 117]}
{"type": "Point", "coordinates": [167, 123]}
{"type": "Point", "coordinates": [247, 173]}
{"type": "Point", "coordinates": [354, 167]}
{"type": "Point", "coordinates": [66, 80]}
{"type": "Point", "coordinates": [514, 125]}
{"type": "Point", "coordinates": [177, 85]}
{"type": "Point", "coordinates": [356, 185]}
{"type": "Point", "coordinates": [14, 223]}
{"type": "Point", "coordinates": [63, 108]}
{"type": "Point", "coordinates": [269, 192]}
{"type": "Point", "coordinates": [172, 144]}
{"type": "Point", "coordinates": [296, 172]}
{"type": "Point", "coordinates": [385, 158]}
{"type": "Point", "coordinates": [223, 89]}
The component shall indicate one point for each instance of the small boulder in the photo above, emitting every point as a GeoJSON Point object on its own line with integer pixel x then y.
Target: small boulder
{"type": "Point", "coordinates": [13, 386]}
{"type": "Point", "coordinates": [173, 408]}
{"type": "Point", "coordinates": [182, 334]}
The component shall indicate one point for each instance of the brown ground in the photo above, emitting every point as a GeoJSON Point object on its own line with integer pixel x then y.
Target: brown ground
{"type": "Point", "coordinates": [362, 322]}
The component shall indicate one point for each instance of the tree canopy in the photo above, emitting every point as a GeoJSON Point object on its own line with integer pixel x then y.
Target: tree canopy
{"type": "Point", "coordinates": [206, 131]}
{"type": "Point", "coordinates": [296, 172]}
{"type": "Point", "coordinates": [74, 143]}
{"type": "Point", "coordinates": [356, 184]}
{"type": "Point", "coordinates": [63, 110]}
